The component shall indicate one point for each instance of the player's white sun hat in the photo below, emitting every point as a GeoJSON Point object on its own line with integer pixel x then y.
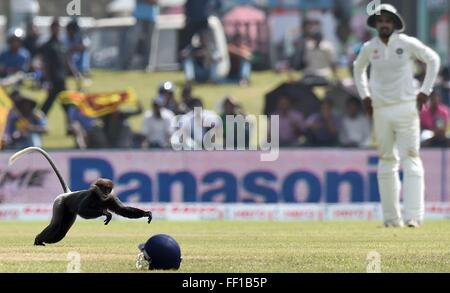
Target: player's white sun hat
{"type": "Point", "coordinates": [388, 8]}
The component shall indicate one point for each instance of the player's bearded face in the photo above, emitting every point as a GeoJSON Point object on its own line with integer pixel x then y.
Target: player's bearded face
{"type": "Point", "coordinates": [385, 25]}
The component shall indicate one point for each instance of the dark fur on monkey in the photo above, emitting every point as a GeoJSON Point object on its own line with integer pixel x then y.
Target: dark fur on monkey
{"type": "Point", "coordinates": [95, 202]}
{"type": "Point", "coordinates": [92, 203]}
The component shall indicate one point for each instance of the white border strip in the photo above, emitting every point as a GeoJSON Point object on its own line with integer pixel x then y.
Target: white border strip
{"type": "Point", "coordinates": [237, 212]}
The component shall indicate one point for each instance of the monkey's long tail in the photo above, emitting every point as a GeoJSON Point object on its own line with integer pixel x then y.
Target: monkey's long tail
{"type": "Point", "coordinates": [23, 152]}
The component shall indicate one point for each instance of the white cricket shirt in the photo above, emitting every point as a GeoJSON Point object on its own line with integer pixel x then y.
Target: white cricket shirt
{"type": "Point", "coordinates": [392, 69]}
{"type": "Point", "coordinates": [158, 130]}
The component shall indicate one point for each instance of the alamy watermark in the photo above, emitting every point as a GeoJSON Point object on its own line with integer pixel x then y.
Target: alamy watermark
{"type": "Point", "coordinates": [74, 264]}
{"type": "Point", "coordinates": [373, 262]}
{"type": "Point", "coordinates": [141, 262]}
{"type": "Point", "coordinates": [73, 8]}
{"type": "Point", "coordinates": [202, 130]}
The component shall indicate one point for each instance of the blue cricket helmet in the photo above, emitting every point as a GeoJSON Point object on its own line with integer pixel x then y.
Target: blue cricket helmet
{"type": "Point", "coordinates": [162, 253]}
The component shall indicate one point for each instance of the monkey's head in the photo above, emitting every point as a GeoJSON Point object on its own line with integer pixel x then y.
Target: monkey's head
{"type": "Point", "coordinates": [103, 187]}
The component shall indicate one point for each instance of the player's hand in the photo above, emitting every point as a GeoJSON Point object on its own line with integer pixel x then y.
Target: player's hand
{"type": "Point", "coordinates": [367, 103]}
{"type": "Point", "coordinates": [149, 215]}
{"type": "Point", "coordinates": [422, 99]}
{"type": "Point", "coordinates": [108, 218]}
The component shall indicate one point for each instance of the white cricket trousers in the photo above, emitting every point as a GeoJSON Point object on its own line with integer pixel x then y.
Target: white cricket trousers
{"type": "Point", "coordinates": [397, 131]}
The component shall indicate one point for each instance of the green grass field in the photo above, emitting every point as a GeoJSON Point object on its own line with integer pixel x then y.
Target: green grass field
{"type": "Point", "coordinates": [233, 246]}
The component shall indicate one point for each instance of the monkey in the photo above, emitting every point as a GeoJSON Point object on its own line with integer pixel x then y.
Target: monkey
{"type": "Point", "coordinates": [92, 203]}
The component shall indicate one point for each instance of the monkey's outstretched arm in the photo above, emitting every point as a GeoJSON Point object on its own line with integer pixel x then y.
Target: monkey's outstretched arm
{"type": "Point", "coordinates": [116, 206]}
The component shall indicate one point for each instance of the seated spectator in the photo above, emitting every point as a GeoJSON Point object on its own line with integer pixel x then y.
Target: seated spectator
{"type": "Point", "coordinates": [117, 128]}
{"type": "Point", "coordinates": [320, 58]}
{"type": "Point", "coordinates": [157, 127]}
{"type": "Point", "coordinates": [240, 60]}
{"type": "Point", "coordinates": [309, 27]}
{"type": "Point", "coordinates": [292, 124]}
{"type": "Point", "coordinates": [186, 99]}
{"type": "Point", "coordinates": [25, 124]}
{"type": "Point", "coordinates": [15, 58]}
{"type": "Point", "coordinates": [231, 109]}
{"type": "Point", "coordinates": [433, 112]}
{"type": "Point", "coordinates": [434, 122]}
{"type": "Point", "coordinates": [195, 124]}
{"type": "Point", "coordinates": [200, 62]}
{"type": "Point", "coordinates": [355, 130]}
{"type": "Point", "coordinates": [77, 49]}
{"type": "Point", "coordinates": [88, 131]}
{"type": "Point", "coordinates": [322, 129]}
{"type": "Point", "coordinates": [166, 90]}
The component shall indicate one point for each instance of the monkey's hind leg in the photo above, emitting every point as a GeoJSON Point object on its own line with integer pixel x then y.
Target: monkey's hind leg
{"type": "Point", "coordinates": [61, 222]}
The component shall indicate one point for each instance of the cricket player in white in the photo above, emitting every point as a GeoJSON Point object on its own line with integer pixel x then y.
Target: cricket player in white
{"type": "Point", "coordinates": [394, 102]}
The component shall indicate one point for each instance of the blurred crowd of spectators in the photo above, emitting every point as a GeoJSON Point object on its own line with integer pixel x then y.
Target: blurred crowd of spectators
{"type": "Point", "coordinates": [169, 115]}
{"type": "Point", "coordinates": [165, 122]}
{"type": "Point", "coordinates": [47, 64]}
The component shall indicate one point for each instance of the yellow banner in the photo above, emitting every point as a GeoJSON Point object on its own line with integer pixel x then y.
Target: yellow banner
{"type": "Point", "coordinates": [5, 105]}
{"type": "Point", "coordinates": [100, 104]}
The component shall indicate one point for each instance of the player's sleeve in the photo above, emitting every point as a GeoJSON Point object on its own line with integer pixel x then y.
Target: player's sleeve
{"type": "Point", "coordinates": [428, 56]}
{"type": "Point", "coordinates": [360, 72]}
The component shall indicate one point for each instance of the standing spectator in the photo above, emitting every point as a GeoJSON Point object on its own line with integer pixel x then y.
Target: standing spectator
{"type": "Point", "coordinates": [435, 117]}
{"type": "Point", "coordinates": [197, 13]}
{"type": "Point", "coordinates": [292, 124]}
{"type": "Point", "coordinates": [240, 60]}
{"type": "Point", "coordinates": [15, 58]}
{"type": "Point", "coordinates": [23, 12]}
{"type": "Point", "coordinates": [31, 43]}
{"type": "Point", "coordinates": [322, 128]}
{"type": "Point", "coordinates": [355, 130]}
{"type": "Point", "coordinates": [146, 13]}
{"type": "Point", "coordinates": [157, 127]}
{"type": "Point", "coordinates": [117, 128]}
{"type": "Point", "coordinates": [54, 61]}
{"type": "Point", "coordinates": [77, 49]}
{"type": "Point", "coordinates": [31, 39]}
{"type": "Point", "coordinates": [200, 62]}
{"type": "Point", "coordinates": [25, 124]}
